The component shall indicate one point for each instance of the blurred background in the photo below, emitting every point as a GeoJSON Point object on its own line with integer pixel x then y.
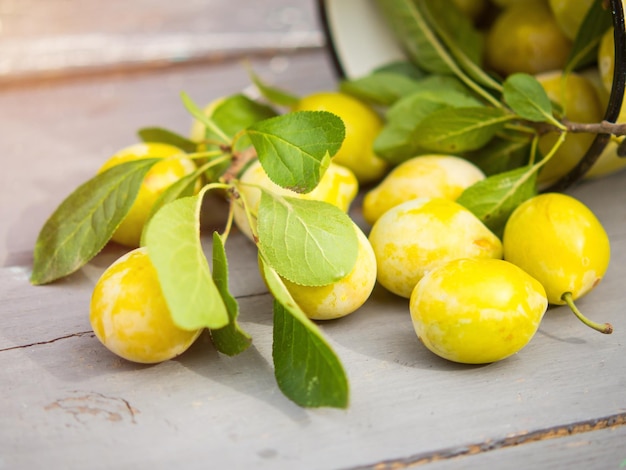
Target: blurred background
{"type": "Point", "coordinates": [59, 37]}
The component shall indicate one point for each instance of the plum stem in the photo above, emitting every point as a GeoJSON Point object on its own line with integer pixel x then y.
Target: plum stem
{"type": "Point", "coordinates": [605, 328]}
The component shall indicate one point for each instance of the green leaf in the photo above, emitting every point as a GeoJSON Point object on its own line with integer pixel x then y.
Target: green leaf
{"type": "Point", "coordinates": [173, 241]}
{"type": "Point", "coordinates": [584, 49]}
{"type": "Point", "coordinates": [396, 142]}
{"type": "Point", "coordinates": [406, 19]}
{"type": "Point", "coordinates": [202, 117]}
{"type": "Point", "coordinates": [455, 130]}
{"type": "Point", "coordinates": [85, 221]}
{"type": "Point", "coordinates": [380, 88]}
{"type": "Point", "coordinates": [399, 139]}
{"type": "Point", "coordinates": [402, 67]}
{"type": "Point", "coordinates": [526, 97]}
{"type": "Point", "coordinates": [463, 42]}
{"type": "Point", "coordinates": [272, 94]}
{"type": "Point", "coordinates": [295, 148]}
{"type": "Point", "coordinates": [165, 136]}
{"type": "Point", "coordinates": [312, 243]}
{"type": "Point", "coordinates": [421, 104]}
{"type": "Point", "coordinates": [444, 84]}
{"type": "Point", "coordinates": [236, 113]}
{"type": "Point", "coordinates": [501, 154]}
{"type": "Point", "coordinates": [455, 29]}
{"type": "Point", "coordinates": [493, 199]}
{"type": "Point", "coordinates": [307, 369]}
{"type": "Point", "coordinates": [439, 38]}
{"type": "Point", "coordinates": [231, 339]}
{"type": "Point", "coordinates": [183, 187]}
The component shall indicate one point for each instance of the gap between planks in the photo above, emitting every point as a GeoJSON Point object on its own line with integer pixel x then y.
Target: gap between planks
{"type": "Point", "coordinates": [580, 427]}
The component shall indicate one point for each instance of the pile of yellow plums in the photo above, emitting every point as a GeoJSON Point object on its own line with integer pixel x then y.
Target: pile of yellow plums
{"type": "Point", "coordinates": [536, 37]}
{"type": "Point", "coordinates": [473, 297]}
{"type": "Point", "coordinates": [128, 312]}
{"type": "Point", "coordinates": [144, 331]}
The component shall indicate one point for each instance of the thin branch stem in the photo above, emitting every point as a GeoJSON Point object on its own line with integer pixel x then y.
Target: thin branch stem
{"type": "Point", "coordinates": [239, 198]}
{"type": "Point", "coordinates": [204, 154]}
{"type": "Point", "coordinates": [229, 221]}
{"type": "Point", "coordinates": [605, 328]}
{"type": "Point", "coordinates": [602, 127]}
{"type": "Point", "coordinates": [552, 151]}
{"type": "Point", "coordinates": [239, 161]}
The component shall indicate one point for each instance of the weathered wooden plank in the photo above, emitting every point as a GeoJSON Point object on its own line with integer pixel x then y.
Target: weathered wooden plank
{"type": "Point", "coordinates": [50, 18]}
{"type": "Point", "coordinates": [74, 402]}
{"type": "Point", "coordinates": [32, 314]}
{"type": "Point", "coordinates": [597, 449]}
{"type": "Point", "coordinates": [63, 38]}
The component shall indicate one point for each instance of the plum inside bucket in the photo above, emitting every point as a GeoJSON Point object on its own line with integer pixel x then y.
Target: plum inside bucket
{"type": "Point", "coordinates": [360, 40]}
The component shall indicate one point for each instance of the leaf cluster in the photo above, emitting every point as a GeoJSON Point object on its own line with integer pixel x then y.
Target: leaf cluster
{"type": "Point", "coordinates": [442, 100]}
{"type": "Point", "coordinates": [439, 101]}
{"type": "Point", "coordinates": [308, 242]}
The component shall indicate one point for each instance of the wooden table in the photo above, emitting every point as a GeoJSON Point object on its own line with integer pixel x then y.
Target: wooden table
{"type": "Point", "coordinates": [67, 403]}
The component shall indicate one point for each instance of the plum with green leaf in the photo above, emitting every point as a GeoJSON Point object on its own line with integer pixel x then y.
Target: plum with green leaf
{"type": "Point", "coordinates": [173, 166]}
{"type": "Point", "coordinates": [151, 308]}
{"type": "Point", "coordinates": [362, 125]}
{"type": "Point", "coordinates": [338, 186]}
{"type": "Point", "coordinates": [580, 103]}
{"type": "Point", "coordinates": [342, 297]}
{"type": "Point", "coordinates": [129, 314]}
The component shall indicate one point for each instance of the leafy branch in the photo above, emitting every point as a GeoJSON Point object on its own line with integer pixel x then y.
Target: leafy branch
{"type": "Point", "coordinates": [294, 150]}
{"type": "Point", "coordinates": [602, 127]}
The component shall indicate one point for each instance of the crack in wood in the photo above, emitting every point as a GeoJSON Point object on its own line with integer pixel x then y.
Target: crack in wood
{"type": "Point", "coordinates": [54, 340]}
{"type": "Point", "coordinates": [90, 332]}
{"type": "Point", "coordinates": [252, 295]}
{"type": "Point", "coordinates": [554, 432]}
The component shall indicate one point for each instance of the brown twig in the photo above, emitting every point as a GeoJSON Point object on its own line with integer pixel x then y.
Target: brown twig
{"type": "Point", "coordinates": [239, 161]}
{"type": "Point", "coordinates": [602, 127]}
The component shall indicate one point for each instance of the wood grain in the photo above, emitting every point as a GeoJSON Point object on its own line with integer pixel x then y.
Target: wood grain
{"type": "Point", "coordinates": [405, 402]}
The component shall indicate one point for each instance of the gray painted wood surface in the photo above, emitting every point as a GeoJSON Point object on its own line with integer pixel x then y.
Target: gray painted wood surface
{"type": "Point", "coordinates": [67, 403]}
